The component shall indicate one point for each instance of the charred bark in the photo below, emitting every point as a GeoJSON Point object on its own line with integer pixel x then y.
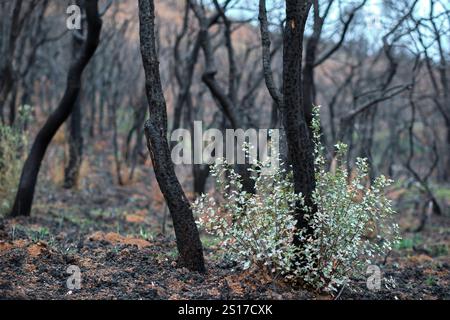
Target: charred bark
{"type": "Point", "coordinates": [290, 100]}
{"type": "Point", "coordinates": [7, 74]}
{"type": "Point", "coordinates": [299, 140]}
{"type": "Point", "coordinates": [72, 169]}
{"type": "Point", "coordinates": [188, 239]}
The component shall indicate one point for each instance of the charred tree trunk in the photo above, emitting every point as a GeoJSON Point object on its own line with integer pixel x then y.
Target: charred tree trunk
{"type": "Point", "coordinates": [188, 239]}
{"type": "Point", "coordinates": [12, 106]}
{"type": "Point", "coordinates": [25, 193]}
{"type": "Point", "coordinates": [138, 131]}
{"type": "Point", "coordinates": [446, 174]}
{"type": "Point", "coordinates": [309, 87]}
{"type": "Point", "coordinates": [200, 172]}
{"type": "Point", "coordinates": [200, 176]}
{"type": "Point", "coordinates": [72, 169]}
{"type": "Point", "coordinates": [299, 140]}
{"type": "Point", "coordinates": [300, 147]}
{"type": "Point", "coordinates": [71, 172]}
{"type": "Point", "coordinates": [6, 71]}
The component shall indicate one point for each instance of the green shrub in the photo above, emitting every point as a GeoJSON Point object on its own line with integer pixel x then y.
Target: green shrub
{"type": "Point", "coordinates": [353, 225]}
{"type": "Point", "coordinates": [13, 145]}
{"type": "Point", "coordinates": [256, 229]}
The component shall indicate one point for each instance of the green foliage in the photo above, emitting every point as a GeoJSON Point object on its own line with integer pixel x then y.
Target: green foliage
{"type": "Point", "coordinates": [353, 225]}
{"type": "Point", "coordinates": [13, 146]}
{"type": "Point", "coordinates": [440, 249]}
{"type": "Point", "coordinates": [431, 281]}
{"type": "Point", "coordinates": [443, 194]}
{"type": "Point", "coordinates": [256, 229]}
{"type": "Point", "coordinates": [35, 234]}
{"type": "Point", "coordinates": [145, 234]}
{"type": "Point", "coordinates": [409, 243]}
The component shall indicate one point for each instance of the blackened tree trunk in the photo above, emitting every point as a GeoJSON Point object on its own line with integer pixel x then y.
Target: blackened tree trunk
{"type": "Point", "coordinates": [188, 239]}
{"type": "Point", "coordinates": [72, 169]}
{"type": "Point", "coordinates": [28, 178]}
{"type": "Point", "coordinates": [290, 100]}
{"type": "Point", "coordinates": [200, 175]}
{"type": "Point", "coordinates": [299, 140]}
{"type": "Point", "coordinates": [200, 172]}
{"type": "Point", "coordinates": [309, 88]}
{"type": "Point", "coordinates": [138, 131]}
{"type": "Point", "coordinates": [6, 71]}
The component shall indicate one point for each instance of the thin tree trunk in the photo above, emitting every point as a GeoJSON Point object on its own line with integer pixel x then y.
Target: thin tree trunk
{"type": "Point", "coordinates": [6, 70]}
{"type": "Point", "coordinates": [188, 239]}
{"type": "Point", "coordinates": [72, 169]}
{"type": "Point", "coordinates": [12, 106]}
{"type": "Point", "coordinates": [71, 172]}
{"type": "Point", "coordinates": [139, 119]}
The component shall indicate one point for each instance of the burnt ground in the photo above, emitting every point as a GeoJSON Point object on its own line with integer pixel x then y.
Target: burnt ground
{"type": "Point", "coordinates": [127, 251]}
{"type": "Point", "coordinates": [120, 260]}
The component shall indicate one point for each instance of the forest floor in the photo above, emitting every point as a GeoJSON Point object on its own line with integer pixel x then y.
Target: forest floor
{"type": "Point", "coordinates": [125, 252]}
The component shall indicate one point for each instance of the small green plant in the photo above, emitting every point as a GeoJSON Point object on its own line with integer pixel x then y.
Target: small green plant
{"type": "Point", "coordinates": [13, 147]}
{"type": "Point", "coordinates": [145, 234]}
{"type": "Point", "coordinates": [431, 281]}
{"type": "Point", "coordinates": [440, 249]}
{"type": "Point", "coordinates": [34, 234]}
{"type": "Point", "coordinates": [409, 243]}
{"type": "Point", "coordinates": [40, 234]}
{"type": "Point", "coordinates": [405, 244]}
{"type": "Point", "coordinates": [352, 227]}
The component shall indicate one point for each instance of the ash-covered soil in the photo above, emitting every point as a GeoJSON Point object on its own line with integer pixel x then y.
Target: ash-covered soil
{"type": "Point", "coordinates": [123, 252]}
